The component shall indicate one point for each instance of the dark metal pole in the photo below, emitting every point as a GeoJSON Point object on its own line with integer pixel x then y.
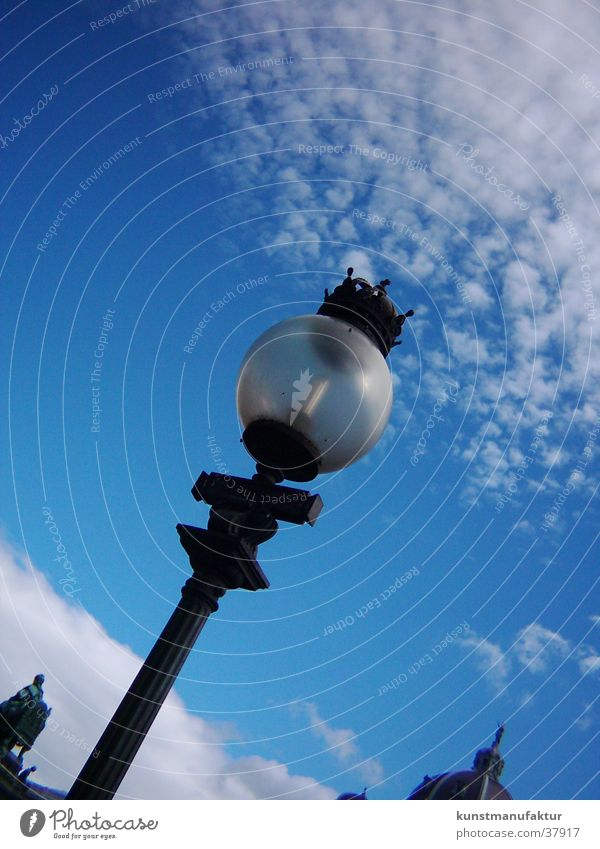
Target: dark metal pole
{"type": "Point", "coordinates": [223, 557]}
{"type": "Point", "coordinates": [108, 764]}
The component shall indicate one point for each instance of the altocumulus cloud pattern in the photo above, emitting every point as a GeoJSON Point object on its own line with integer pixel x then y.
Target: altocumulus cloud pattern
{"type": "Point", "coordinates": [178, 177]}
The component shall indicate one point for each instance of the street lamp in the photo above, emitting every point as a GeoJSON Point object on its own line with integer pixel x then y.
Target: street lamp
{"type": "Point", "coordinates": [314, 394]}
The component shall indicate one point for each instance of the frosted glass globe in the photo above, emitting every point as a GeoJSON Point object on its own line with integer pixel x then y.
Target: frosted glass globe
{"type": "Point", "coordinates": [314, 394]}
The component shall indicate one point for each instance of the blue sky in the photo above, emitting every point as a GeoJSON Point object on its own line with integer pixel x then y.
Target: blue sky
{"type": "Point", "coordinates": [172, 164]}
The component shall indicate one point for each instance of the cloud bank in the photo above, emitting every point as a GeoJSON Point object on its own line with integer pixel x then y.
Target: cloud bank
{"type": "Point", "coordinates": [87, 672]}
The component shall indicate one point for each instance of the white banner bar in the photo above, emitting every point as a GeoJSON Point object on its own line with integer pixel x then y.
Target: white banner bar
{"type": "Point", "coordinates": [298, 825]}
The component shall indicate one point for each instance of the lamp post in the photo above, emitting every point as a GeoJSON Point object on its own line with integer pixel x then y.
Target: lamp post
{"type": "Point", "coordinates": [314, 394]}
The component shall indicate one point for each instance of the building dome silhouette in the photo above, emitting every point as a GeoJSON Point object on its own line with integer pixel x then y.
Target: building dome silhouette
{"type": "Point", "coordinates": [479, 782]}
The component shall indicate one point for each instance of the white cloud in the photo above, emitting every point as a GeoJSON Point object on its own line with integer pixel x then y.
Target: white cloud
{"type": "Point", "coordinates": [586, 718]}
{"type": "Point", "coordinates": [509, 87]}
{"type": "Point", "coordinates": [341, 744]}
{"type": "Point", "coordinates": [527, 699]}
{"type": "Point", "coordinates": [360, 261]}
{"type": "Point", "coordinates": [536, 647]}
{"type": "Point", "coordinates": [490, 659]}
{"type": "Point", "coordinates": [87, 673]}
{"type": "Point", "coordinates": [588, 660]}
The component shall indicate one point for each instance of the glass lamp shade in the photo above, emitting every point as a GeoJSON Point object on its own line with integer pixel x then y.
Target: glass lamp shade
{"type": "Point", "coordinates": [314, 394]}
